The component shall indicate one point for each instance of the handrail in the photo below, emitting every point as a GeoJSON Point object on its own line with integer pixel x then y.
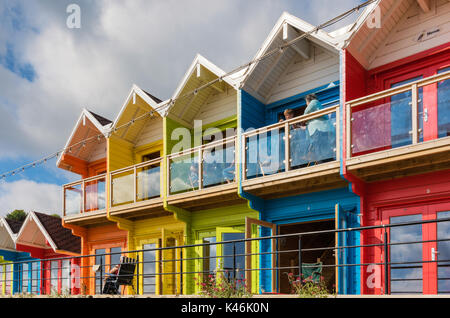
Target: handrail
{"type": "Point", "coordinates": [203, 147]}
{"type": "Point", "coordinates": [83, 183]}
{"type": "Point", "coordinates": [137, 166]}
{"type": "Point", "coordinates": [100, 176]}
{"type": "Point", "coordinates": [400, 89]}
{"type": "Point", "coordinates": [199, 150]}
{"type": "Point", "coordinates": [413, 87]}
{"type": "Point", "coordinates": [287, 127]}
{"type": "Point", "coordinates": [316, 114]}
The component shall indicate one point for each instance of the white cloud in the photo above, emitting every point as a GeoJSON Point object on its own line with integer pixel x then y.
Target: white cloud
{"type": "Point", "coordinates": [150, 43]}
{"type": "Point", "coordinates": [29, 196]}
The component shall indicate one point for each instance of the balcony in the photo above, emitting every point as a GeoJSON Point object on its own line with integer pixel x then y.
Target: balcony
{"type": "Point", "coordinates": [276, 166]}
{"type": "Point", "coordinates": [400, 131]}
{"type": "Point", "coordinates": [85, 200]}
{"type": "Point", "coordinates": [196, 184]}
{"type": "Point", "coordinates": [136, 190]}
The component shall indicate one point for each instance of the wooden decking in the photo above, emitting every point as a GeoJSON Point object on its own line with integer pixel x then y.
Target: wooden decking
{"type": "Point", "coordinates": [404, 161]}
{"type": "Point", "coordinates": [208, 198]}
{"type": "Point", "coordinates": [314, 178]}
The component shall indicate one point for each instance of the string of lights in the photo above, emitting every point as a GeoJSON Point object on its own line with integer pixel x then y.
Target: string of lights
{"type": "Point", "coordinates": [169, 103]}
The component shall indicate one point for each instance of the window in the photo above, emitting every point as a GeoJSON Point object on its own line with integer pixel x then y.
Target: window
{"type": "Point", "coordinates": [54, 275]}
{"type": "Point", "coordinates": [149, 268]}
{"type": "Point", "coordinates": [151, 156]}
{"type": "Point", "coordinates": [25, 277]}
{"type": "Point", "coordinates": [65, 276]}
{"type": "Point", "coordinates": [35, 268]}
{"type": "Point", "coordinates": [443, 105]}
{"type": "Point", "coordinates": [99, 260]}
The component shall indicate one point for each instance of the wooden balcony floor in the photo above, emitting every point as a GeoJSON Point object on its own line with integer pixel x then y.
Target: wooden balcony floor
{"type": "Point", "coordinates": [315, 178]}
{"type": "Point", "coordinates": [429, 156]}
{"type": "Point", "coordinates": [209, 198]}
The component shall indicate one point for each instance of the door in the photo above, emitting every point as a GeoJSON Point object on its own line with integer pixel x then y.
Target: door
{"type": "Point", "coordinates": [269, 278]}
{"type": "Point", "coordinates": [417, 260]}
{"type": "Point", "coordinates": [150, 281]}
{"type": "Point", "coordinates": [439, 251]}
{"type": "Point", "coordinates": [107, 262]}
{"type": "Point", "coordinates": [206, 264]}
{"type": "Point", "coordinates": [230, 256]}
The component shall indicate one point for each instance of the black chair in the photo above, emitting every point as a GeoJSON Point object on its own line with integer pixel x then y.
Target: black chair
{"type": "Point", "coordinates": [124, 277]}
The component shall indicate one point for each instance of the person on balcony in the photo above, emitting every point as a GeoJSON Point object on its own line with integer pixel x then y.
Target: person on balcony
{"type": "Point", "coordinates": [320, 132]}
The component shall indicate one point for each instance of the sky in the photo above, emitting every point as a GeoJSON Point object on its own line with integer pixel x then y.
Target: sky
{"type": "Point", "coordinates": [49, 72]}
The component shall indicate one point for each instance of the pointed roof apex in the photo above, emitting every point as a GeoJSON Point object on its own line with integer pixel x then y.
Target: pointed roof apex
{"type": "Point", "coordinates": [59, 238]}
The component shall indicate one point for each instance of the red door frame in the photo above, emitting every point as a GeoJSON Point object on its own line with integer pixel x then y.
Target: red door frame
{"type": "Point", "coordinates": [429, 234]}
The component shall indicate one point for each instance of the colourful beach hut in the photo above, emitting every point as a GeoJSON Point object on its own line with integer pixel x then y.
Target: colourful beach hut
{"type": "Point", "coordinates": [44, 238]}
{"type": "Point", "coordinates": [290, 170]}
{"type": "Point", "coordinates": [396, 141]}
{"type": "Point", "coordinates": [19, 272]}
{"type": "Point", "coordinates": [85, 200]}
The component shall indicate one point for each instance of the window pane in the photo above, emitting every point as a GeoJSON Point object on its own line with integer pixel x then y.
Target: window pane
{"type": "Point", "coordinates": [443, 232]}
{"type": "Point", "coordinates": [35, 277]}
{"type": "Point", "coordinates": [65, 276]}
{"type": "Point", "coordinates": [406, 278]}
{"type": "Point", "coordinates": [99, 260]}
{"type": "Point", "coordinates": [149, 266]}
{"type": "Point", "coordinates": [25, 277]}
{"type": "Point", "coordinates": [228, 260]}
{"type": "Point", "coordinates": [54, 269]}
{"type": "Point", "coordinates": [443, 97]}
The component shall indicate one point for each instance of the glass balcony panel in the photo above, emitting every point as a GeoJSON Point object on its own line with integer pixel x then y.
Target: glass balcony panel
{"type": "Point", "coordinates": [95, 195]}
{"type": "Point", "coordinates": [382, 125]}
{"type": "Point", "coordinates": [219, 165]}
{"type": "Point", "coordinates": [443, 106]}
{"type": "Point", "coordinates": [184, 175]}
{"type": "Point", "coordinates": [123, 188]}
{"type": "Point", "coordinates": [148, 182]}
{"type": "Point", "coordinates": [313, 142]}
{"type": "Point", "coordinates": [265, 153]}
{"type": "Point", "coordinates": [73, 199]}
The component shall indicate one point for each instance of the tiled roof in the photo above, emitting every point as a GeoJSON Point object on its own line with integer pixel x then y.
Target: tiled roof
{"type": "Point", "coordinates": [14, 225]}
{"type": "Point", "coordinates": [102, 120]}
{"type": "Point", "coordinates": [62, 237]}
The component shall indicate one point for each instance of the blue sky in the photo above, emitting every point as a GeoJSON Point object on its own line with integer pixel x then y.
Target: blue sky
{"type": "Point", "coordinates": [49, 72]}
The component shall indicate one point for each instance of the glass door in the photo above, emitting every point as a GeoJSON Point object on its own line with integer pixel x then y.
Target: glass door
{"type": "Point", "coordinates": [419, 262]}
{"type": "Point", "coordinates": [150, 268]}
{"type": "Point", "coordinates": [439, 251]}
{"type": "Point", "coordinates": [230, 256]}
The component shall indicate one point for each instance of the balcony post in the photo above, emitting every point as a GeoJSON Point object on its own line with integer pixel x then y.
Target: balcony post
{"type": "Point", "coordinates": [337, 132]}
{"type": "Point", "coordinates": [244, 156]}
{"type": "Point", "coordinates": [287, 156]}
{"type": "Point", "coordinates": [414, 114]}
{"type": "Point", "coordinates": [110, 193]}
{"type": "Point", "coordinates": [200, 169]}
{"type": "Point", "coordinates": [64, 200]}
{"type": "Point", "coordinates": [348, 130]}
{"type": "Point", "coordinates": [83, 196]}
{"type": "Point", "coordinates": [135, 183]}
{"type": "Point", "coordinates": [167, 175]}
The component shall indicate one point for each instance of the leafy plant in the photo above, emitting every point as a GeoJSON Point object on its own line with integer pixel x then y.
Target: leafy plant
{"type": "Point", "coordinates": [307, 287]}
{"type": "Point", "coordinates": [218, 286]}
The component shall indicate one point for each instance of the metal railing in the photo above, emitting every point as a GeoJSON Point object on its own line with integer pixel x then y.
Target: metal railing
{"type": "Point", "coordinates": [397, 116]}
{"type": "Point", "coordinates": [136, 183]}
{"type": "Point", "coordinates": [312, 141]}
{"type": "Point", "coordinates": [87, 195]}
{"type": "Point", "coordinates": [397, 266]}
{"type": "Point", "coordinates": [202, 167]}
